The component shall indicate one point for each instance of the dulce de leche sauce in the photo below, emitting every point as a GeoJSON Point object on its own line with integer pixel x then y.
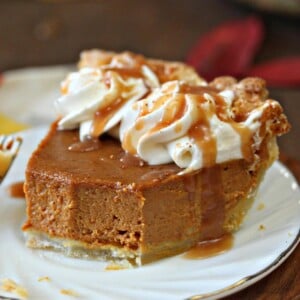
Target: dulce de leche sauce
{"type": "Point", "coordinates": [214, 240]}
{"type": "Point", "coordinates": [211, 247]}
{"type": "Point", "coordinates": [16, 190]}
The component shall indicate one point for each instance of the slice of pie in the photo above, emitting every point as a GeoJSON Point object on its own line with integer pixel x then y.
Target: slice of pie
{"type": "Point", "coordinates": [147, 159]}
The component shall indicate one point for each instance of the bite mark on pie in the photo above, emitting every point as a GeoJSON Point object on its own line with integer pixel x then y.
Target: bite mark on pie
{"type": "Point", "coordinates": [144, 198]}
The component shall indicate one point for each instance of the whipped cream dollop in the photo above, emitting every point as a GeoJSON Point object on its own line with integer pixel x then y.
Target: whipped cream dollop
{"type": "Point", "coordinates": [192, 126]}
{"type": "Point", "coordinates": [96, 99]}
{"type": "Point", "coordinates": [192, 129]}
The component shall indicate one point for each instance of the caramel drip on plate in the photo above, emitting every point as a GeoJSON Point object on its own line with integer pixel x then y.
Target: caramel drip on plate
{"type": "Point", "coordinates": [16, 190]}
{"type": "Point", "coordinates": [210, 248]}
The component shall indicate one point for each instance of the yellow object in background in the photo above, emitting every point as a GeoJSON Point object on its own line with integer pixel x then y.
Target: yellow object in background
{"type": "Point", "coordinates": [7, 125]}
{"type": "Point", "coordinates": [5, 160]}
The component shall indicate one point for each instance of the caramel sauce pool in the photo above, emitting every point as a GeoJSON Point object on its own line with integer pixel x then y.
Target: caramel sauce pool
{"type": "Point", "coordinates": [128, 160]}
{"type": "Point", "coordinates": [16, 190]}
{"type": "Point", "coordinates": [210, 248]}
{"type": "Point", "coordinates": [85, 146]}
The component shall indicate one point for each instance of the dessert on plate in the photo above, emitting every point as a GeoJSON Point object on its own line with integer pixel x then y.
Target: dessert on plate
{"type": "Point", "coordinates": [147, 159]}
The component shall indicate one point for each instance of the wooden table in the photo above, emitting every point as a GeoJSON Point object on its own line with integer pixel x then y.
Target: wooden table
{"type": "Point", "coordinates": [53, 32]}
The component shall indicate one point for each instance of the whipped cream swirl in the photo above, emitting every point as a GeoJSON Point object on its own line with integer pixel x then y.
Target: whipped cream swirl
{"type": "Point", "coordinates": [192, 126]}
{"type": "Point", "coordinates": [99, 93]}
{"type": "Point", "coordinates": [186, 128]}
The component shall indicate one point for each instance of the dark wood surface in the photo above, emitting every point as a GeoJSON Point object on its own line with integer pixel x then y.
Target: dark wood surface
{"type": "Point", "coordinates": [34, 33]}
{"type": "Point", "coordinates": [284, 282]}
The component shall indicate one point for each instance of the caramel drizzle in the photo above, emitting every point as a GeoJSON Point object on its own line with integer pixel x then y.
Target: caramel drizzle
{"type": "Point", "coordinates": [200, 132]}
{"type": "Point", "coordinates": [211, 247]}
{"type": "Point", "coordinates": [127, 144]}
{"type": "Point", "coordinates": [212, 203]}
{"type": "Point", "coordinates": [206, 193]}
{"type": "Point", "coordinates": [173, 112]}
{"type": "Point", "coordinates": [245, 133]}
{"type": "Point", "coordinates": [135, 72]}
{"type": "Point", "coordinates": [131, 60]}
{"type": "Point", "coordinates": [102, 116]}
{"type": "Point", "coordinates": [164, 72]}
{"type": "Point", "coordinates": [197, 90]}
{"type": "Point", "coordinates": [201, 135]}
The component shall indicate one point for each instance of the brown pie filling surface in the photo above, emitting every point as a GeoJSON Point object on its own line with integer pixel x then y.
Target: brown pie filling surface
{"type": "Point", "coordinates": [93, 199]}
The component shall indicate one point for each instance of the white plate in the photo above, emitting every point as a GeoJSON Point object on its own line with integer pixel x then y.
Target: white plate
{"type": "Point", "coordinates": [27, 95]}
{"type": "Point", "coordinates": [254, 255]}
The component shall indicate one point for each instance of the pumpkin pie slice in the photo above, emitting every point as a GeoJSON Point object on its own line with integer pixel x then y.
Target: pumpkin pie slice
{"type": "Point", "coordinates": [151, 169]}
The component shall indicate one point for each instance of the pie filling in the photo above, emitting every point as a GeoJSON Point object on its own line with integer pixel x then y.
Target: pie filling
{"type": "Point", "coordinates": [147, 159]}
